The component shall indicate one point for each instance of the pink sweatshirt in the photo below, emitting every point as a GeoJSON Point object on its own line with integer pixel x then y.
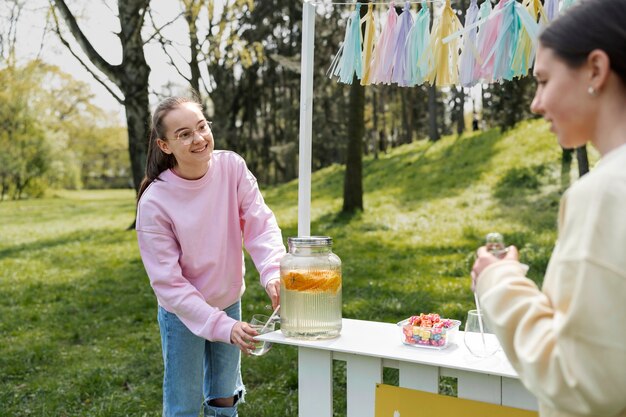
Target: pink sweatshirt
{"type": "Point", "coordinates": [190, 237]}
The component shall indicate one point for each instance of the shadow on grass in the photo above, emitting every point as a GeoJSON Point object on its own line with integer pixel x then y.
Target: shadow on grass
{"type": "Point", "coordinates": [539, 214]}
{"type": "Point", "coordinates": [81, 237]}
{"type": "Point", "coordinates": [432, 174]}
{"type": "Point", "coordinates": [530, 196]}
{"type": "Point", "coordinates": [418, 172]}
{"type": "Point", "coordinates": [43, 212]}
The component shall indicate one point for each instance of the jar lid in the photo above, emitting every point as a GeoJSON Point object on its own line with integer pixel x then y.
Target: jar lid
{"type": "Point", "coordinates": [310, 240]}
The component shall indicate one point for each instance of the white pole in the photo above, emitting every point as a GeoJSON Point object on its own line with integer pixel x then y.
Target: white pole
{"type": "Point", "coordinates": [306, 118]}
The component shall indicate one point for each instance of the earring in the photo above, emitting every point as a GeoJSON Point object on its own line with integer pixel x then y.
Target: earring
{"type": "Point", "coordinates": [591, 91]}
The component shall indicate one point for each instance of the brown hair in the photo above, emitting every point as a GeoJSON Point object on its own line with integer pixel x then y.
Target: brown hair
{"type": "Point", "coordinates": [157, 161]}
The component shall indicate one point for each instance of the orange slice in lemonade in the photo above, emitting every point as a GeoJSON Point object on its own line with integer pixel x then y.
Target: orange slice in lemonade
{"type": "Point", "coordinates": [312, 281]}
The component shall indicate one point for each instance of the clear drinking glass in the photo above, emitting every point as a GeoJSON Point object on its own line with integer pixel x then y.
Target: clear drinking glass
{"type": "Point", "coordinates": [480, 344]}
{"type": "Point", "coordinates": [258, 323]}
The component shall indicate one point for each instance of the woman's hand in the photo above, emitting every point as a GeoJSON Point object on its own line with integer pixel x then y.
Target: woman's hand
{"type": "Point", "coordinates": [273, 290]}
{"type": "Point", "coordinates": [484, 258]}
{"type": "Point", "coordinates": [242, 336]}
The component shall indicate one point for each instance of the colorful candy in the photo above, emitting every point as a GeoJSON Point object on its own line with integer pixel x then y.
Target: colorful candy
{"type": "Point", "coordinates": [428, 330]}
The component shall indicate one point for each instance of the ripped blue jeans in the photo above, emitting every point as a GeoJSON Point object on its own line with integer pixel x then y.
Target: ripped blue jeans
{"type": "Point", "coordinates": [197, 371]}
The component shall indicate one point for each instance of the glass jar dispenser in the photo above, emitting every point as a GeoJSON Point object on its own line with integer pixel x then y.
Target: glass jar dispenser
{"type": "Point", "coordinates": [310, 289]}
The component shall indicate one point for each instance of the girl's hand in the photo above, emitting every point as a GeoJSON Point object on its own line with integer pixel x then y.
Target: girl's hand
{"type": "Point", "coordinates": [273, 290]}
{"type": "Point", "coordinates": [484, 258]}
{"type": "Point", "coordinates": [242, 336]}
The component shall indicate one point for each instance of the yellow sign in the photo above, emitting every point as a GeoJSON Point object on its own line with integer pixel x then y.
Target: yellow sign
{"type": "Point", "coordinates": [403, 402]}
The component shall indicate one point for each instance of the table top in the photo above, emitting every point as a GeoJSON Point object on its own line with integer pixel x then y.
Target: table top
{"type": "Point", "coordinates": [383, 340]}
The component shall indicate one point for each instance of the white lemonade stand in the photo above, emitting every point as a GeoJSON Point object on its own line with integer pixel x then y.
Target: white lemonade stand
{"type": "Point", "coordinates": [487, 387]}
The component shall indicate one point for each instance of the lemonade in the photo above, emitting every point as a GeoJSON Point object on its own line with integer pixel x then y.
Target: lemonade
{"type": "Point", "coordinates": [311, 304]}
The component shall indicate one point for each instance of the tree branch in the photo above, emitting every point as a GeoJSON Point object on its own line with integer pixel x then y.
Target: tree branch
{"type": "Point", "coordinates": [46, 29]}
{"type": "Point", "coordinates": [12, 32]}
{"type": "Point", "coordinates": [206, 87]}
{"type": "Point", "coordinates": [111, 71]}
{"type": "Point", "coordinates": [157, 31]}
{"type": "Point", "coordinates": [80, 60]}
{"type": "Point", "coordinates": [172, 63]}
{"type": "Point", "coordinates": [157, 35]}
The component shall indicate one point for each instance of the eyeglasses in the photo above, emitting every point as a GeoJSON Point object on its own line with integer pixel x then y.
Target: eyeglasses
{"type": "Point", "coordinates": [187, 136]}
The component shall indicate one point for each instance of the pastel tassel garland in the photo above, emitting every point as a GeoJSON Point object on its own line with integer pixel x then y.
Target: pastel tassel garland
{"type": "Point", "coordinates": [382, 62]}
{"type": "Point", "coordinates": [483, 14]}
{"type": "Point", "coordinates": [350, 60]}
{"type": "Point", "coordinates": [497, 44]}
{"type": "Point", "coordinates": [445, 55]}
{"type": "Point", "coordinates": [487, 37]}
{"type": "Point", "coordinates": [417, 51]}
{"type": "Point", "coordinates": [399, 75]}
{"type": "Point", "coordinates": [524, 55]}
{"type": "Point", "coordinates": [552, 9]}
{"type": "Point", "coordinates": [368, 43]}
{"type": "Point", "coordinates": [506, 43]}
{"type": "Point", "coordinates": [467, 75]}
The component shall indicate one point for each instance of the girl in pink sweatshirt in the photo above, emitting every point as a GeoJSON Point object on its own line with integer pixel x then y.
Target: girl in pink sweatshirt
{"type": "Point", "coordinates": [196, 209]}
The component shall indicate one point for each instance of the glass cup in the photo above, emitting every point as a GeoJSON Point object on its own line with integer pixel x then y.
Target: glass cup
{"type": "Point", "coordinates": [480, 344]}
{"type": "Point", "coordinates": [258, 323]}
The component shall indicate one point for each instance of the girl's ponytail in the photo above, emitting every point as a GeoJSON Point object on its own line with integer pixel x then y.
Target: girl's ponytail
{"type": "Point", "coordinates": [157, 161]}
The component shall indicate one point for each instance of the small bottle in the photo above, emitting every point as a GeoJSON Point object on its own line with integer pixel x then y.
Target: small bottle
{"type": "Point", "coordinates": [495, 244]}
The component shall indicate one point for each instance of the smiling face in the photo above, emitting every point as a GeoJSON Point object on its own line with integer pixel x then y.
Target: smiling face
{"type": "Point", "coordinates": [563, 99]}
{"type": "Point", "coordinates": [191, 158]}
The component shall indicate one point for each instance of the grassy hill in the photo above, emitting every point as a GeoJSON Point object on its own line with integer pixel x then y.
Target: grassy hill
{"type": "Point", "coordinates": [78, 318]}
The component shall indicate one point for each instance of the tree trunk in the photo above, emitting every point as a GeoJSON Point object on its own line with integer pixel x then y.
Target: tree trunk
{"type": "Point", "coordinates": [406, 115]}
{"type": "Point", "coordinates": [353, 183]}
{"type": "Point", "coordinates": [583, 160]}
{"type": "Point", "coordinates": [137, 116]}
{"type": "Point", "coordinates": [134, 84]}
{"type": "Point", "coordinates": [460, 110]}
{"type": "Point", "coordinates": [383, 117]}
{"type": "Point", "coordinates": [566, 164]}
{"type": "Point", "coordinates": [192, 10]}
{"type": "Point", "coordinates": [131, 76]}
{"type": "Point", "coordinates": [433, 131]}
{"type": "Point", "coordinates": [5, 188]}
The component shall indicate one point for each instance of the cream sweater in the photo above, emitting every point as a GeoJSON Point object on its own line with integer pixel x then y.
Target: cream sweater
{"type": "Point", "coordinates": [567, 341]}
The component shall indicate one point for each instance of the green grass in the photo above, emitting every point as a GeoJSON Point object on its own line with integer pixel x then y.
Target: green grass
{"type": "Point", "coordinates": [78, 331]}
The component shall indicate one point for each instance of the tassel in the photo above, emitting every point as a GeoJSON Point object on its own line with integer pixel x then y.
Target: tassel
{"type": "Point", "coordinates": [505, 44]}
{"type": "Point", "coordinates": [514, 18]}
{"type": "Point", "coordinates": [382, 62]}
{"type": "Point", "coordinates": [483, 14]}
{"type": "Point", "coordinates": [418, 54]}
{"type": "Point", "coordinates": [350, 61]}
{"type": "Point", "coordinates": [524, 55]}
{"type": "Point", "coordinates": [368, 43]}
{"type": "Point", "coordinates": [552, 9]}
{"type": "Point", "coordinates": [537, 11]}
{"type": "Point", "coordinates": [399, 66]}
{"type": "Point", "coordinates": [566, 4]}
{"type": "Point", "coordinates": [445, 55]}
{"type": "Point", "coordinates": [487, 36]}
{"type": "Point", "coordinates": [467, 75]}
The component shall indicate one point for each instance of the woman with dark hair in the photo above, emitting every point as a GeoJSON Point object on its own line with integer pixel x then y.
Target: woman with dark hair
{"type": "Point", "coordinates": [567, 341]}
{"type": "Point", "coordinates": [195, 208]}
